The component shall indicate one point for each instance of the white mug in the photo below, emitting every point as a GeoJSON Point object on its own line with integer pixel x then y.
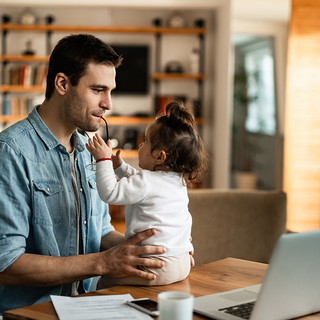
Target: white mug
{"type": "Point", "coordinates": [175, 305]}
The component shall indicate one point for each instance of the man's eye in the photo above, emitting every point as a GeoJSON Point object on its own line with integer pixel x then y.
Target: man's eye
{"type": "Point", "coordinates": [97, 90]}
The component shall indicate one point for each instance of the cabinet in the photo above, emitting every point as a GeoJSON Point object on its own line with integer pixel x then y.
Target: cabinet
{"type": "Point", "coordinates": [158, 77]}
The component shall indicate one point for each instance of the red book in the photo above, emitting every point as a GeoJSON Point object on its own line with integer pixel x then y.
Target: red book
{"type": "Point", "coordinates": [22, 74]}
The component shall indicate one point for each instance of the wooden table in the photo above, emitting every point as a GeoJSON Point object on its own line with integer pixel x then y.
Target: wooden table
{"type": "Point", "coordinates": [218, 276]}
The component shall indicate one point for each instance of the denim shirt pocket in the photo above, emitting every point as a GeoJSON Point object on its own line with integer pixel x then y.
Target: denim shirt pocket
{"type": "Point", "coordinates": [92, 182]}
{"type": "Point", "coordinates": [47, 197]}
{"type": "Point", "coordinates": [94, 194]}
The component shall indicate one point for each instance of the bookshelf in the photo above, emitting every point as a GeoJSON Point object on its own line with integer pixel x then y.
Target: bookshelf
{"type": "Point", "coordinates": [95, 29]}
{"type": "Point", "coordinates": [21, 58]}
{"type": "Point", "coordinates": [177, 76]}
{"type": "Point", "coordinates": [21, 88]}
{"type": "Point", "coordinates": [115, 121]}
{"type": "Point", "coordinates": [10, 89]}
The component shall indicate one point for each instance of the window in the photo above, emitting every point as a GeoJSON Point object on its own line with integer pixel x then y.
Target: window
{"type": "Point", "coordinates": [259, 69]}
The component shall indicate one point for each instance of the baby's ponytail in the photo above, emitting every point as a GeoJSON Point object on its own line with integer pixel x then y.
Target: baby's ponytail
{"type": "Point", "coordinates": [178, 115]}
{"type": "Point", "coordinates": [175, 134]}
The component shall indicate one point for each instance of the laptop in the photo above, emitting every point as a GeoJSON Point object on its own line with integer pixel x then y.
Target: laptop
{"type": "Point", "coordinates": [290, 289]}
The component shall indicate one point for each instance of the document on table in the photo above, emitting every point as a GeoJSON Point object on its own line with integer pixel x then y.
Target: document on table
{"type": "Point", "coordinates": [96, 308]}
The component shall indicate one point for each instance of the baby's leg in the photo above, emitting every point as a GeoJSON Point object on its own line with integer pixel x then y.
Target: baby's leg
{"type": "Point", "coordinates": [175, 269]}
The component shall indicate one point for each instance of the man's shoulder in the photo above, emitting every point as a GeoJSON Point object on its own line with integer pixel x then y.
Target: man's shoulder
{"type": "Point", "coordinates": [16, 131]}
{"type": "Point", "coordinates": [21, 139]}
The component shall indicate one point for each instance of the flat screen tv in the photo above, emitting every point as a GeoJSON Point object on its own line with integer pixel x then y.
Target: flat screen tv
{"type": "Point", "coordinates": [132, 76]}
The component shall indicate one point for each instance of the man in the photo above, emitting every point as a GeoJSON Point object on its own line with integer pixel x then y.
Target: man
{"type": "Point", "coordinates": [55, 232]}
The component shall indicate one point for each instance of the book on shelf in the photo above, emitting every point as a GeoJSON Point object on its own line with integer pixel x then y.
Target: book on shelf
{"type": "Point", "coordinates": [163, 100]}
{"type": "Point", "coordinates": [161, 103]}
{"type": "Point", "coordinates": [25, 74]}
{"type": "Point", "coordinates": [17, 106]}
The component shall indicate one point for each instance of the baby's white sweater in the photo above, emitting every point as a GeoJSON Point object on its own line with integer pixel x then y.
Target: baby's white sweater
{"type": "Point", "coordinates": [153, 199]}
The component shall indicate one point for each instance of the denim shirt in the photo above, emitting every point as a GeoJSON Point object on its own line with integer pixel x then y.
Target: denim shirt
{"type": "Point", "coordinates": [37, 206]}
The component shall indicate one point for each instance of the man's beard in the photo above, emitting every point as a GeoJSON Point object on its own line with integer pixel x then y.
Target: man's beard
{"type": "Point", "coordinates": [71, 106]}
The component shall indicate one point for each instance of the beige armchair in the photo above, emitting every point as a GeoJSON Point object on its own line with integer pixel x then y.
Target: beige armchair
{"type": "Point", "coordinates": [236, 223]}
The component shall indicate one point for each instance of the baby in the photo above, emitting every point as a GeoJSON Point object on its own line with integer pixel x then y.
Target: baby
{"type": "Point", "coordinates": [171, 156]}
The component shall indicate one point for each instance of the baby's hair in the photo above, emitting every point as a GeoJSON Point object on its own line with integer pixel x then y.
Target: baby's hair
{"type": "Point", "coordinates": [175, 134]}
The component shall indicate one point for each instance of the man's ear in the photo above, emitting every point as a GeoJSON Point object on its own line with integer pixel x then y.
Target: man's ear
{"type": "Point", "coordinates": [61, 83]}
{"type": "Point", "coordinates": [161, 157]}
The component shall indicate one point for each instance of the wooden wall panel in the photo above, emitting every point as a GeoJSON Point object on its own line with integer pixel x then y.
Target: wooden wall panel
{"type": "Point", "coordinates": [302, 117]}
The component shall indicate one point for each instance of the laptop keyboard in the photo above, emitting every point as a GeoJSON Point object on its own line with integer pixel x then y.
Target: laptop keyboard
{"type": "Point", "coordinates": [241, 310]}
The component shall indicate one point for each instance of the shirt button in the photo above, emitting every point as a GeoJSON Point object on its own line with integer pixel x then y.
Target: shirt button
{"type": "Point", "coordinates": [84, 222]}
{"type": "Point", "coordinates": [65, 159]}
{"type": "Point", "coordinates": [72, 224]}
{"type": "Point", "coordinates": [48, 189]}
{"type": "Point", "coordinates": [81, 189]}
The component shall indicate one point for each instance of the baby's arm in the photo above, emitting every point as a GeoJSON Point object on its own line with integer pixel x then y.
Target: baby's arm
{"type": "Point", "coordinates": [122, 192]}
{"type": "Point", "coordinates": [125, 170]}
{"type": "Point", "coordinates": [128, 190]}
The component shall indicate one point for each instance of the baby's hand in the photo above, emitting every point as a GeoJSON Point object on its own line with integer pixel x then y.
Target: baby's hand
{"type": "Point", "coordinates": [98, 148]}
{"type": "Point", "coordinates": [117, 159]}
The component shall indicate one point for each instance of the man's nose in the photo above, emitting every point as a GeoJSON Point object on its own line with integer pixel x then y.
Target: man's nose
{"type": "Point", "coordinates": [106, 102]}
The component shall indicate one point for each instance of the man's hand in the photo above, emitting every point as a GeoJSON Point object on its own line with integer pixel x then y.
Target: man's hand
{"type": "Point", "coordinates": [192, 262]}
{"type": "Point", "coordinates": [122, 260]}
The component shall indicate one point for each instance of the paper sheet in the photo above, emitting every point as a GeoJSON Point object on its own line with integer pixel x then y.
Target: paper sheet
{"type": "Point", "coordinates": [96, 307]}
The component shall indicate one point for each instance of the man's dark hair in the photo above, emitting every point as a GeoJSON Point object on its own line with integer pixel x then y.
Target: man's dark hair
{"type": "Point", "coordinates": [72, 55]}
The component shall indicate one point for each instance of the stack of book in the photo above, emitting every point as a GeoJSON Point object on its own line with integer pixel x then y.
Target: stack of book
{"type": "Point", "coordinates": [20, 105]}
{"type": "Point", "coordinates": [25, 74]}
{"type": "Point", "coordinates": [163, 100]}
{"type": "Point", "coordinates": [17, 106]}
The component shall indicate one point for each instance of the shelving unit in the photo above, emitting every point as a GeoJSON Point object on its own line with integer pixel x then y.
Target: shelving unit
{"type": "Point", "coordinates": [157, 77]}
{"type": "Point", "coordinates": [107, 29]}
{"type": "Point", "coordinates": [20, 58]}
{"type": "Point", "coordinates": [20, 88]}
{"type": "Point", "coordinates": [114, 121]}
{"type": "Point", "coordinates": [177, 76]}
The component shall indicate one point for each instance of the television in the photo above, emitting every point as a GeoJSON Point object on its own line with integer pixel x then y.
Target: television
{"type": "Point", "coordinates": [132, 76]}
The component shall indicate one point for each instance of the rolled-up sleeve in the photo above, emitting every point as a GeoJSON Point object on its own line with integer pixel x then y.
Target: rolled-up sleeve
{"type": "Point", "coordinates": [14, 206]}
